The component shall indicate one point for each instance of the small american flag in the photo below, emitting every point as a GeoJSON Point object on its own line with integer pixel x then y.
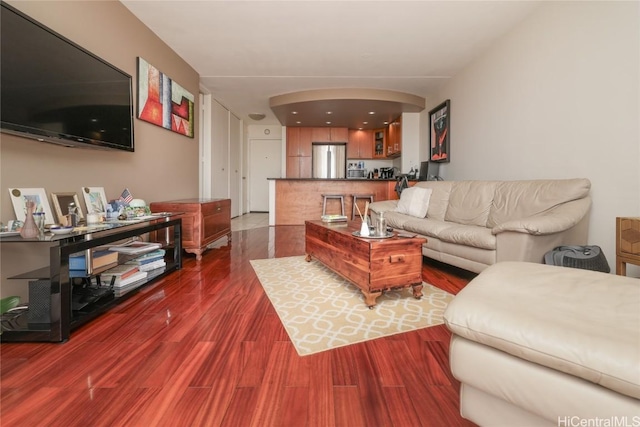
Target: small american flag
{"type": "Point", "coordinates": [126, 196]}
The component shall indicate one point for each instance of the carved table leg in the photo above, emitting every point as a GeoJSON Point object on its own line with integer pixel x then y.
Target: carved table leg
{"type": "Point", "coordinates": [370, 298]}
{"type": "Point", "coordinates": [417, 290]}
{"type": "Point", "coordinates": [308, 258]}
{"type": "Point", "coordinates": [197, 252]}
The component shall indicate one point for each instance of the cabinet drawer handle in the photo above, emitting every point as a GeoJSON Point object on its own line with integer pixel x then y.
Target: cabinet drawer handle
{"type": "Point", "coordinates": [396, 258]}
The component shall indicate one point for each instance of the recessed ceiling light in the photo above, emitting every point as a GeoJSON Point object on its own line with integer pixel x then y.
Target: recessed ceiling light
{"type": "Point", "coordinates": [372, 112]}
{"type": "Point", "coordinates": [329, 112]}
{"type": "Point", "coordinates": [328, 123]}
{"type": "Point", "coordinates": [385, 122]}
{"type": "Point", "coordinates": [365, 123]}
{"type": "Point", "coordinates": [298, 122]}
{"type": "Point", "coordinates": [294, 112]}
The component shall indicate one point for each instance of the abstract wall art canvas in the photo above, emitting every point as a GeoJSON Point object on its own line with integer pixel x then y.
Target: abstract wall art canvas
{"type": "Point", "coordinates": [439, 121]}
{"type": "Point", "coordinates": [163, 102]}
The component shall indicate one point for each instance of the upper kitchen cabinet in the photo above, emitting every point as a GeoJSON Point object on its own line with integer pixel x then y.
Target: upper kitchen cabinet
{"type": "Point", "coordinates": [329, 134]}
{"type": "Point", "coordinates": [380, 143]}
{"type": "Point", "coordinates": [394, 142]}
{"type": "Point", "coordinates": [360, 144]}
{"type": "Point", "coordinates": [298, 152]}
{"type": "Point", "coordinates": [298, 141]}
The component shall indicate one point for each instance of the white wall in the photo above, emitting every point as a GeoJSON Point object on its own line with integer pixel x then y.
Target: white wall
{"type": "Point", "coordinates": [558, 97]}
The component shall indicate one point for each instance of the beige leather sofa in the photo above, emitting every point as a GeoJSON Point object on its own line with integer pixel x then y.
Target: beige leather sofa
{"type": "Point", "coordinates": [539, 345]}
{"type": "Point", "coordinates": [475, 224]}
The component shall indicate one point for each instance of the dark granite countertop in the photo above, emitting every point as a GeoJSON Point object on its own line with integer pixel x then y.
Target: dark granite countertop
{"type": "Point", "coordinates": [338, 179]}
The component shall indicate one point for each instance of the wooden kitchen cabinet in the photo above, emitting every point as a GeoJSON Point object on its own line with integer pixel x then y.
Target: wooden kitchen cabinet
{"type": "Point", "coordinates": [329, 134]}
{"type": "Point", "coordinates": [299, 152]}
{"type": "Point", "coordinates": [394, 143]}
{"type": "Point", "coordinates": [299, 141]}
{"type": "Point", "coordinates": [203, 221]}
{"type": "Point", "coordinates": [360, 145]}
{"type": "Point", "coordinates": [298, 167]}
{"type": "Point", "coordinates": [380, 143]}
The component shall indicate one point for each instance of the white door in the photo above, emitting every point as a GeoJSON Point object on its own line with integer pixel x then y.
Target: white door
{"type": "Point", "coordinates": [265, 162]}
{"type": "Point", "coordinates": [219, 151]}
{"type": "Point", "coordinates": [235, 142]}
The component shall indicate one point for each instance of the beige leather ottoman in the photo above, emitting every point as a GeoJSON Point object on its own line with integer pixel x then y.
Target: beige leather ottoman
{"type": "Point", "coordinates": [537, 345]}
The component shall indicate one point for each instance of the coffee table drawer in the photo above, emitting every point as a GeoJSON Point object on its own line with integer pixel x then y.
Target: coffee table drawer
{"type": "Point", "coordinates": [395, 264]}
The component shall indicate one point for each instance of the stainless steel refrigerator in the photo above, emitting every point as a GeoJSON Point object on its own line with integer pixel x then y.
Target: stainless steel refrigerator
{"type": "Point", "coordinates": [329, 160]}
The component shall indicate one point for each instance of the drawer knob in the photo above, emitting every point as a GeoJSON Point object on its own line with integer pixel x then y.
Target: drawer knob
{"type": "Point", "coordinates": [396, 258]}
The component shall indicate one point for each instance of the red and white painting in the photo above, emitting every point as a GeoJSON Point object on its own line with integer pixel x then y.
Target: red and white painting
{"type": "Point", "coordinates": [162, 101]}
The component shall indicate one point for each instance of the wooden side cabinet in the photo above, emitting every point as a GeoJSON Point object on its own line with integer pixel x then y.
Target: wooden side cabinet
{"type": "Point", "coordinates": [627, 243]}
{"type": "Point", "coordinates": [203, 221]}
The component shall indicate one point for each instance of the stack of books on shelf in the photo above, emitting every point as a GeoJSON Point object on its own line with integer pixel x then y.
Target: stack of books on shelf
{"type": "Point", "coordinates": [123, 278]}
{"type": "Point", "coordinates": [152, 263]}
{"type": "Point", "coordinates": [135, 247]}
{"type": "Point", "coordinates": [99, 258]}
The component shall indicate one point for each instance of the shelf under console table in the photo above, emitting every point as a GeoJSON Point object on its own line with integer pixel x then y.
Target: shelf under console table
{"type": "Point", "coordinates": [165, 229]}
{"type": "Point", "coordinates": [203, 221]}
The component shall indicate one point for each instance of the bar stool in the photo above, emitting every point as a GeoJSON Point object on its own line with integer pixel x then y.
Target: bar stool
{"type": "Point", "coordinates": [355, 200]}
{"type": "Point", "coordinates": [325, 197]}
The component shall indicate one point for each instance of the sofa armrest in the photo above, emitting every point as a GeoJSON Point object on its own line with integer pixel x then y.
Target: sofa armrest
{"type": "Point", "coordinates": [383, 206]}
{"type": "Point", "coordinates": [554, 220]}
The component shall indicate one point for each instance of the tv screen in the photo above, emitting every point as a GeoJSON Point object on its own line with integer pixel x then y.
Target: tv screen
{"type": "Point", "coordinates": [53, 90]}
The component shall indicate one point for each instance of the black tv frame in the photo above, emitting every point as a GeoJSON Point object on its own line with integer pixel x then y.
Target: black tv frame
{"type": "Point", "coordinates": [62, 138]}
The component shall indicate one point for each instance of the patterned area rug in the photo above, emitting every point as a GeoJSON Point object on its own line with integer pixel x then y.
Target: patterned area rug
{"type": "Point", "coordinates": [320, 310]}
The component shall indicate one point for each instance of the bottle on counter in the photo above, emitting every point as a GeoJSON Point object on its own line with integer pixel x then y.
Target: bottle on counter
{"type": "Point", "coordinates": [73, 215]}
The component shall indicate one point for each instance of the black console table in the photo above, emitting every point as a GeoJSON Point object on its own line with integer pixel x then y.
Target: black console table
{"type": "Point", "coordinates": [165, 229]}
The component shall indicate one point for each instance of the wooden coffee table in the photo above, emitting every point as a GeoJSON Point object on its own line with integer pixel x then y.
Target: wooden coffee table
{"type": "Point", "coordinates": [374, 265]}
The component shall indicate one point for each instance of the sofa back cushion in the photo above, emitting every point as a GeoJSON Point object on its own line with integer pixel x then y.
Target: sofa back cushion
{"type": "Point", "coordinates": [439, 199]}
{"type": "Point", "coordinates": [470, 202]}
{"type": "Point", "coordinates": [521, 199]}
{"type": "Point", "coordinates": [414, 201]}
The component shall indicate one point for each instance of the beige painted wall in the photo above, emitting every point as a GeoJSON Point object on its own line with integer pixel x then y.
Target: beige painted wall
{"type": "Point", "coordinates": [557, 97]}
{"type": "Point", "coordinates": [164, 165]}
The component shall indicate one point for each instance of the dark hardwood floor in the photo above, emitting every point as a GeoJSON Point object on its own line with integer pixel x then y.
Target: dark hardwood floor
{"type": "Point", "coordinates": [204, 347]}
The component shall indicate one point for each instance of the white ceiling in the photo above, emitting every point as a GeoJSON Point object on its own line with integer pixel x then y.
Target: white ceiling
{"type": "Point", "coordinates": [249, 51]}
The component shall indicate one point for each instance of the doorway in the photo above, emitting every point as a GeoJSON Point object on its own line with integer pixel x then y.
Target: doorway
{"type": "Point", "coordinates": [265, 161]}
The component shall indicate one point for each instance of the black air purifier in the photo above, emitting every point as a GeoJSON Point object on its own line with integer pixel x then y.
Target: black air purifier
{"type": "Point", "coordinates": [40, 301]}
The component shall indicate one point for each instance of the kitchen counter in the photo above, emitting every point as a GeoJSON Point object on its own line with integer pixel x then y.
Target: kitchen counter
{"type": "Point", "coordinates": [340, 179]}
{"type": "Point", "coordinates": [292, 201]}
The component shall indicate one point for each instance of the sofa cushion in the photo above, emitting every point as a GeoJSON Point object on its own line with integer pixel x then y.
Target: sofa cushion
{"type": "Point", "coordinates": [469, 235]}
{"type": "Point", "coordinates": [439, 200]}
{"type": "Point", "coordinates": [397, 220]}
{"type": "Point", "coordinates": [580, 322]}
{"type": "Point", "coordinates": [521, 199]}
{"type": "Point", "coordinates": [414, 201]}
{"type": "Point", "coordinates": [470, 202]}
{"type": "Point", "coordinates": [426, 227]}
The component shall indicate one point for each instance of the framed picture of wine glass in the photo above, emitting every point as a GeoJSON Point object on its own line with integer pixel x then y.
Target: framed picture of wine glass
{"type": "Point", "coordinates": [95, 199]}
{"type": "Point", "coordinates": [439, 119]}
{"type": "Point", "coordinates": [19, 198]}
{"type": "Point", "coordinates": [61, 203]}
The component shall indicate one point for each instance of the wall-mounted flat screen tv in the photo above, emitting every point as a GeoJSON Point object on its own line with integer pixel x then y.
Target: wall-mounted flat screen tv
{"type": "Point", "coordinates": [53, 90]}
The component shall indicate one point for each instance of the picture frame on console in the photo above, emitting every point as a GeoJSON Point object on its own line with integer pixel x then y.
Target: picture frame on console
{"type": "Point", "coordinates": [20, 196]}
{"type": "Point", "coordinates": [61, 204]}
{"type": "Point", "coordinates": [95, 199]}
{"type": "Point", "coordinates": [439, 134]}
